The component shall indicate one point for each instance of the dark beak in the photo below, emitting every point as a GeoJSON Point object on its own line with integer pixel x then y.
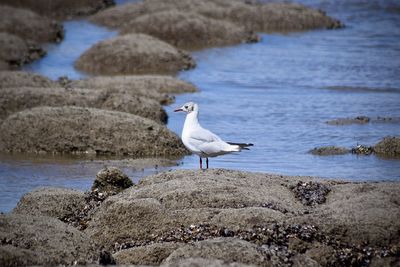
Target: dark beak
{"type": "Point", "coordinates": [178, 109]}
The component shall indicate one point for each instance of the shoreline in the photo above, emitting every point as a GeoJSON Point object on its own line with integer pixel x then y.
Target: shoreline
{"type": "Point", "coordinates": [178, 216]}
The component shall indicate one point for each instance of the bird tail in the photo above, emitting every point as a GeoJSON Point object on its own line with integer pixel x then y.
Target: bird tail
{"type": "Point", "coordinates": [242, 146]}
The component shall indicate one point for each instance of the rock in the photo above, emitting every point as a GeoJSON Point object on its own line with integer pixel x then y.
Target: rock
{"type": "Point", "coordinates": [362, 150]}
{"type": "Point", "coordinates": [152, 254]}
{"type": "Point", "coordinates": [285, 17]}
{"type": "Point", "coordinates": [141, 106]}
{"type": "Point", "coordinates": [359, 212]}
{"type": "Point", "coordinates": [226, 249]}
{"type": "Point", "coordinates": [118, 15]}
{"type": "Point", "coordinates": [164, 202]}
{"type": "Point", "coordinates": [151, 86]}
{"type": "Point", "coordinates": [219, 216]}
{"type": "Point", "coordinates": [329, 150]}
{"type": "Point", "coordinates": [346, 121]}
{"type": "Point", "coordinates": [111, 180]}
{"type": "Point", "coordinates": [52, 202]}
{"type": "Point", "coordinates": [270, 17]}
{"type": "Point", "coordinates": [60, 9]}
{"type": "Point", "coordinates": [28, 25]}
{"type": "Point", "coordinates": [387, 119]}
{"type": "Point", "coordinates": [37, 240]}
{"type": "Point", "coordinates": [352, 224]}
{"type": "Point", "coordinates": [264, 17]}
{"type": "Point", "coordinates": [16, 99]}
{"type": "Point", "coordinates": [17, 52]}
{"type": "Point", "coordinates": [134, 54]}
{"type": "Point", "coordinates": [86, 130]}
{"type": "Point", "coordinates": [188, 30]}
{"type": "Point", "coordinates": [388, 146]}
{"type": "Point", "coordinates": [15, 79]}
{"type": "Point", "coordinates": [311, 193]}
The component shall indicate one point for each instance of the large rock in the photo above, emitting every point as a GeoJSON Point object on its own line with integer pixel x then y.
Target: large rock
{"type": "Point", "coordinates": [267, 211]}
{"type": "Point", "coordinates": [16, 51]}
{"type": "Point", "coordinates": [278, 17]}
{"type": "Point", "coordinates": [20, 98]}
{"type": "Point", "coordinates": [13, 79]}
{"type": "Point", "coordinates": [265, 17]}
{"type": "Point", "coordinates": [164, 202]}
{"type": "Point", "coordinates": [119, 16]}
{"type": "Point", "coordinates": [29, 25]}
{"type": "Point", "coordinates": [157, 87]}
{"type": "Point", "coordinates": [188, 30]}
{"type": "Point", "coordinates": [86, 130]}
{"type": "Point", "coordinates": [37, 240]}
{"type": "Point", "coordinates": [53, 202]}
{"type": "Point", "coordinates": [388, 146]}
{"type": "Point", "coordinates": [61, 9]}
{"type": "Point", "coordinates": [134, 54]}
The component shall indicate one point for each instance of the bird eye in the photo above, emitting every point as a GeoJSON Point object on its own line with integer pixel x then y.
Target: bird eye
{"type": "Point", "coordinates": [186, 107]}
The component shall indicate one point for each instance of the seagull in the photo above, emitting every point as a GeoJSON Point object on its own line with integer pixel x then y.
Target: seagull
{"type": "Point", "coordinates": [203, 142]}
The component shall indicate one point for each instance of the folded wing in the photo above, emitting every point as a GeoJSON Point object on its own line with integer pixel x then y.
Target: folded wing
{"type": "Point", "coordinates": [209, 143]}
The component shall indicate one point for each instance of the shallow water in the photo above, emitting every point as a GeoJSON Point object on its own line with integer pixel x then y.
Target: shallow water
{"type": "Point", "coordinates": [20, 174]}
{"type": "Point", "coordinates": [59, 61]}
{"type": "Point", "coordinates": [276, 94]}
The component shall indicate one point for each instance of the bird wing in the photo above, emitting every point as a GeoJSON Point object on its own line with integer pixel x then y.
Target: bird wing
{"type": "Point", "coordinates": [203, 135]}
{"type": "Point", "coordinates": [207, 142]}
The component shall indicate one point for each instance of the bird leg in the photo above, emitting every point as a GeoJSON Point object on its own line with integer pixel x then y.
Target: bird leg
{"type": "Point", "coordinates": [207, 162]}
{"type": "Point", "coordinates": [201, 163]}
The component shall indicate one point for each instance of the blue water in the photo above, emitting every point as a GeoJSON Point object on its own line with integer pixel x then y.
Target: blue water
{"type": "Point", "coordinates": [282, 107]}
{"type": "Point", "coordinates": [59, 61]}
{"type": "Point", "coordinates": [276, 94]}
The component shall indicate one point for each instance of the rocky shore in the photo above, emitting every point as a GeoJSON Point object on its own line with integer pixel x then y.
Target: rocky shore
{"type": "Point", "coordinates": [134, 54]}
{"type": "Point", "coordinates": [216, 217]}
{"type": "Point", "coordinates": [86, 130]}
{"type": "Point", "coordinates": [22, 33]}
{"type": "Point", "coordinates": [37, 113]}
{"type": "Point", "coordinates": [60, 9]}
{"type": "Point", "coordinates": [151, 40]}
{"type": "Point", "coordinates": [152, 36]}
{"type": "Point", "coordinates": [209, 218]}
{"type": "Point", "coordinates": [388, 147]}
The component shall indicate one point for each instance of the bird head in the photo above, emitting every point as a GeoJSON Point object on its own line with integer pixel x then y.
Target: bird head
{"type": "Point", "coordinates": [188, 107]}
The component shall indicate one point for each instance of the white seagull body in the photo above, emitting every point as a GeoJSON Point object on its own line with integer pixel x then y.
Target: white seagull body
{"type": "Point", "coordinates": [203, 142]}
